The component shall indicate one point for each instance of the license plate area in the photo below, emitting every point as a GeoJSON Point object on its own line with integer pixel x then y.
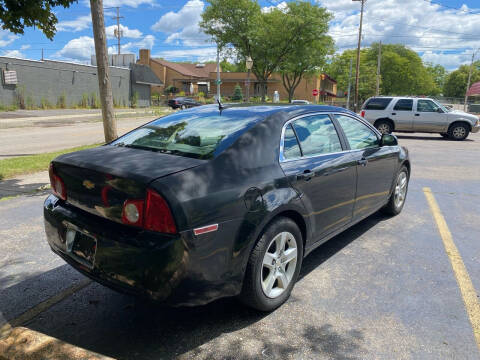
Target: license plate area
{"type": "Point", "coordinates": [81, 247]}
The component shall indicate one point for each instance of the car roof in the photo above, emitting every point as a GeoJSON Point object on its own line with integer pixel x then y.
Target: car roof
{"type": "Point", "coordinates": [263, 111]}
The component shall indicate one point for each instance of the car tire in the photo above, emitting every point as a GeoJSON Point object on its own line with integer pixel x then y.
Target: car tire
{"type": "Point", "coordinates": [384, 127]}
{"type": "Point", "coordinates": [444, 135]}
{"type": "Point", "coordinates": [269, 277]}
{"type": "Point", "coordinates": [458, 131]}
{"type": "Point", "coordinates": [399, 194]}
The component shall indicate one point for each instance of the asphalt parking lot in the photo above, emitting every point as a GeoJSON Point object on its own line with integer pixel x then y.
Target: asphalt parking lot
{"type": "Point", "coordinates": [385, 289]}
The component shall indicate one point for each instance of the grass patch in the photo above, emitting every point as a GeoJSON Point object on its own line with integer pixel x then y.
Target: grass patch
{"type": "Point", "coordinates": [32, 163]}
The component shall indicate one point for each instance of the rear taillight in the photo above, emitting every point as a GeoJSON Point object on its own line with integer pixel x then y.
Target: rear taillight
{"type": "Point", "coordinates": [362, 114]}
{"type": "Point", "coordinates": [151, 214]}
{"type": "Point", "coordinates": [57, 184]}
{"type": "Point", "coordinates": [158, 216]}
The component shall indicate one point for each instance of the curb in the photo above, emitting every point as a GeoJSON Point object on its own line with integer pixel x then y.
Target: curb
{"type": "Point", "coordinates": [25, 344]}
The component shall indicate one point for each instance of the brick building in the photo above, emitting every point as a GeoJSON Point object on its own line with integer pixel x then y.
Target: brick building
{"type": "Point", "coordinates": [195, 78]}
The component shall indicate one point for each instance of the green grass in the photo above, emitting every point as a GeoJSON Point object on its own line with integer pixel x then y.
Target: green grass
{"type": "Point", "coordinates": [32, 163]}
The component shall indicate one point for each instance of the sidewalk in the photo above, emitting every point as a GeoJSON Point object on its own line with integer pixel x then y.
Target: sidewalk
{"type": "Point", "coordinates": [24, 184]}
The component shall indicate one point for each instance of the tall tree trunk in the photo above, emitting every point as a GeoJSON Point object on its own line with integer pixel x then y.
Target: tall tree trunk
{"type": "Point", "coordinates": [103, 72]}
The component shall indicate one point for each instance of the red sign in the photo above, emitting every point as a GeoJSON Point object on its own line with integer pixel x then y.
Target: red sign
{"type": "Point", "coordinates": [315, 92]}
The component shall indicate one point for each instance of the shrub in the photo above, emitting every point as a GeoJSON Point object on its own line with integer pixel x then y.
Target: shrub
{"type": "Point", "coordinates": [20, 97]}
{"type": "Point", "coordinates": [30, 103]}
{"type": "Point", "coordinates": [62, 101]}
{"type": "Point", "coordinates": [94, 101]}
{"type": "Point", "coordinates": [181, 93]}
{"type": "Point", "coordinates": [237, 93]}
{"type": "Point", "coordinates": [45, 104]}
{"type": "Point", "coordinates": [134, 100]}
{"type": "Point", "coordinates": [84, 102]}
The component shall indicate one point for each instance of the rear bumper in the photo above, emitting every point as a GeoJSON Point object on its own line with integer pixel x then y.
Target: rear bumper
{"type": "Point", "coordinates": [156, 266]}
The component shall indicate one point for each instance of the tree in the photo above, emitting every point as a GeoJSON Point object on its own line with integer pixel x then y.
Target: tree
{"type": "Point", "coordinates": [439, 75]}
{"type": "Point", "coordinates": [16, 15]}
{"type": "Point", "coordinates": [105, 86]}
{"type": "Point", "coordinates": [308, 54]}
{"type": "Point", "coordinates": [267, 37]}
{"type": "Point", "coordinates": [456, 82]}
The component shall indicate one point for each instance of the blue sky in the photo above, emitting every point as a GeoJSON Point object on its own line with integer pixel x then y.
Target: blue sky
{"type": "Point", "coordinates": [441, 31]}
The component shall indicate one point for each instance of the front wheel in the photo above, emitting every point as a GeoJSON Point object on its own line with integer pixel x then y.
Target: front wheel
{"type": "Point", "coordinates": [397, 199]}
{"type": "Point", "coordinates": [458, 131]}
{"type": "Point", "coordinates": [273, 267]}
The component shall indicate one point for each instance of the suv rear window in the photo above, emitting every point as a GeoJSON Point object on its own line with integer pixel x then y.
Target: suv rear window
{"type": "Point", "coordinates": [377, 103]}
{"type": "Point", "coordinates": [404, 105]}
{"type": "Point", "coordinates": [199, 135]}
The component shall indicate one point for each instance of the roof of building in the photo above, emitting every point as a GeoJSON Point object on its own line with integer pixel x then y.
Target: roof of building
{"type": "Point", "coordinates": [143, 74]}
{"type": "Point", "coordinates": [474, 89]}
{"type": "Point", "coordinates": [188, 69]}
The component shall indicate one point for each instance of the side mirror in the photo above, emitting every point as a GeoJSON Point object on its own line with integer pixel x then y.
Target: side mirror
{"type": "Point", "coordinates": [439, 110]}
{"type": "Point", "coordinates": [388, 140]}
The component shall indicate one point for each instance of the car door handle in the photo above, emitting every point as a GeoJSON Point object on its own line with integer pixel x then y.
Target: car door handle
{"type": "Point", "coordinates": [306, 175]}
{"type": "Point", "coordinates": [417, 114]}
{"type": "Point", "coordinates": [394, 113]}
{"type": "Point", "coordinates": [362, 162]}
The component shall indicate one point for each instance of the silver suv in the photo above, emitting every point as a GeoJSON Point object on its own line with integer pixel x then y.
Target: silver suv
{"type": "Point", "coordinates": [407, 114]}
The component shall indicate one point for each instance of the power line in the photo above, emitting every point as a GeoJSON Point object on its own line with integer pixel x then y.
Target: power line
{"type": "Point", "coordinates": [451, 7]}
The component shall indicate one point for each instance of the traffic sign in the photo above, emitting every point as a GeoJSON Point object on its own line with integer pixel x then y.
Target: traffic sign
{"type": "Point", "coordinates": [315, 92]}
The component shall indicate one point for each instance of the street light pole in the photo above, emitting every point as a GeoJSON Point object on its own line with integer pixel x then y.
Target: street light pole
{"type": "Point", "coordinates": [218, 73]}
{"type": "Point", "coordinates": [358, 56]}
{"type": "Point", "coordinates": [349, 84]}
{"type": "Point", "coordinates": [249, 65]}
{"type": "Point", "coordinates": [468, 81]}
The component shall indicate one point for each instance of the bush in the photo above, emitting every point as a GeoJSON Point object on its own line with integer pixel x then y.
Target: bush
{"type": "Point", "coordinates": [84, 102]}
{"type": "Point", "coordinates": [237, 93]}
{"type": "Point", "coordinates": [181, 93]}
{"type": "Point", "coordinates": [20, 97]}
{"type": "Point", "coordinates": [62, 101]}
{"type": "Point", "coordinates": [94, 101]}
{"type": "Point", "coordinates": [134, 100]}
{"type": "Point", "coordinates": [45, 104]}
{"type": "Point", "coordinates": [170, 90]}
{"type": "Point", "coordinates": [30, 103]}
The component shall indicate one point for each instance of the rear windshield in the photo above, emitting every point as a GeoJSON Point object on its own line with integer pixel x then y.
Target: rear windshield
{"type": "Point", "coordinates": [377, 103]}
{"type": "Point", "coordinates": [196, 134]}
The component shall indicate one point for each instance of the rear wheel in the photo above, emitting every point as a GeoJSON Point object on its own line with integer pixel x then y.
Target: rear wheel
{"type": "Point", "coordinates": [458, 131]}
{"type": "Point", "coordinates": [385, 127]}
{"type": "Point", "coordinates": [273, 266]}
{"type": "Point", "coordinates": [397, 199]}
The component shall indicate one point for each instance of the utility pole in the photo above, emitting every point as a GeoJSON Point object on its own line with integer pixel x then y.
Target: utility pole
{"type": "Point", "coordinates": [103, 71]}
{"type": "Point", "coordinates": [468, 81]}
{"type": "Point", "coordinates": [358, 56]}
{"type": "Point", "coordinates": [218, 73]}
{"type": "Point", "coordinates": [349, 84]}
{"type": "Point", "coordinates": [118, 33]}
{"type": "Point", "coordinates": [379, 62]}
{"type": "Point", "coordinates": [42, 54]}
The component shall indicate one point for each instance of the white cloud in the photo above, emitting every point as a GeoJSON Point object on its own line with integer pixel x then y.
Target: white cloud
{"type": "Point", "coordinates": [24, 47]}
{"type": "Point", "coordinates": [281, 6]}
{"type": "Point", "coordinates": [13, 54]}
{"type": "Point", "coordinates": [131, 3]}
{"type": "Point", "coordinates": [127, 33]}
{"type": "Point", "coordinates": [79, 24]}
{"type": "Point", "coordinates": [79, 49]}
{"type": "Point", "coordinates": [146, 43]}
{"type": "Point", "coordinates": [6, 37]}
{"type": "Point", "coordinates": [182, 26]}
{"type": "Point", "coordinates": [425, 27]}
{"type": "Point", "coordinates": [200, 54]}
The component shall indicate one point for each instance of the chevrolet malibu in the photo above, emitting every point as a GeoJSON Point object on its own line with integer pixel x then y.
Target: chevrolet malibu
{"type": "Point", "coordinates": [220, 201]}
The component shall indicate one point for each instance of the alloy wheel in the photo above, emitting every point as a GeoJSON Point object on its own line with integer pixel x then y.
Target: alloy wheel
{"type": "Point", "coordinates": [384, 128]}
{"type": "Point", "coordinates": [279, 263]}
{"type": "Point", "coordinates": [401, 189]}
{"type": "Point", "coordinates": [459, 132]}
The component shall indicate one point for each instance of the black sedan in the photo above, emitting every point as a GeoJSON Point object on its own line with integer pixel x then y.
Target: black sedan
{"type": "Point", "coordinates": [213, 202]}
{"type": "Point", "coordinates": [183, 103]}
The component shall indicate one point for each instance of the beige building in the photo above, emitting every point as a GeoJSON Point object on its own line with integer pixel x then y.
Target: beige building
{"type": "Point", "coordinates": [195, 78]}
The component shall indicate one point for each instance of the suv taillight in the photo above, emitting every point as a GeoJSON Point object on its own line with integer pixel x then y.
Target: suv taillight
{"type": "Point", "coordinates": [151, 214]}
{"type": "Point", "coordinates": [57, 184]}
{"type": "Point", "coordinates": [362, 114]}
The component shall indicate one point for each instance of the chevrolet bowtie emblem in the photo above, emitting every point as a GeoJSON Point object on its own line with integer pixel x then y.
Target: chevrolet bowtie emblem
{"type": "Point", "coordinates": [88, 184]}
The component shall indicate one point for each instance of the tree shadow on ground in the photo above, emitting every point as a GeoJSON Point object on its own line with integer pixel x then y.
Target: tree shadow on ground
{"type": "Point", "coordinates": [14, 187]}
{"type": "Point", "coordinates": [430, 138]}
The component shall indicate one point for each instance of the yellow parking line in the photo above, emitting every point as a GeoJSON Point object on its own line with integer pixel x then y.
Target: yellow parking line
{"type": "Point", "coordinates": [463, 279]}
{"type": "Point", "coordinates": [45, 305]}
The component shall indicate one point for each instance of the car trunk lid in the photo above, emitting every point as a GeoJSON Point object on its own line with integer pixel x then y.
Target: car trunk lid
{"type": "Point", "coordinates": [101, 179]}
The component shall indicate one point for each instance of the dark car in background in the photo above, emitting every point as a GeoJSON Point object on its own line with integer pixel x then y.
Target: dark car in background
{"type": "Point", "coordinates": [213, 202]}
{"type": "Point", "coordinates": [183, 103]}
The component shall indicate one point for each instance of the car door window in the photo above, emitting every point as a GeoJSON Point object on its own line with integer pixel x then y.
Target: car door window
{"type": "Point", "coordinates": [291, 149]}
{"type": "Point", "coordinates": [359, 135]}
{"type": "Point", "coordinates": [427, 106]}
{"type": "Point", "coordinates": [317, 135]}
{"type": "Point", "coordinates": [404, 105]}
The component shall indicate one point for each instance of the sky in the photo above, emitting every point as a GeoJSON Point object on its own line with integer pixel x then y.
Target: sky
{"type": "Point", "coordinates": [444, 32]}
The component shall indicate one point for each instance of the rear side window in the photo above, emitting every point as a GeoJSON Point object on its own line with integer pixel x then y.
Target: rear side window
{"type": "Point", "coordinates": [377, 103]}
{"type": "Point", "coordinates": [404, 105]}
{"type": "Point", "coordinates": [200, 134]}
{"type": "Point", "coordinates": [317, 135]}
{"type": "Point", "coordinates": [291, 149]}
{"type": "Point", "coordinates": [359, 135]}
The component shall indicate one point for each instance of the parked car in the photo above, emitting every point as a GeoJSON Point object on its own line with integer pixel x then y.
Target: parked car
{"type": "Point", "coordinates": [183, 103]}
{"type": "Point", "coordinates": [208, 202]}
{"type": "Point", "coordinates": [407, 114]}
{"type": "Point", "coordinates": [301, 102]}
